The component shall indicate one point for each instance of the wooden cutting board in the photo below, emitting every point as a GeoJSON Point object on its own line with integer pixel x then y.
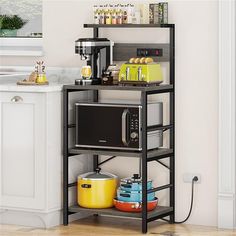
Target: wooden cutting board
{"type": "Point", "coordinates": [31, 83]}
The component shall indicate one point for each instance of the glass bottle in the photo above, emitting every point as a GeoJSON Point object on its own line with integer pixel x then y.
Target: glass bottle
{"type": "Point", "coordinates": [96, 14]}
{"type": "Point", "coordinates": [130, 13]}
{"type": "Point", "coordinates": [125, 14]}
{"type": "Point", "coordinates": [108, 16]}
{"type": "Point", "coordinates": [119, 15]}
{"type": "Point", "coordinates": [114, 15]}
{"type": "Point", "coordinates": [101, 15]}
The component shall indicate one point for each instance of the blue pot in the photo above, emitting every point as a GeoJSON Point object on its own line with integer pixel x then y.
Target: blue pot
{"type": "Point", "coordinates": [134, 186]}
{"type": "Point", "coordinates": [134, 183]}
{"type": "Point", "coordinates": [132, 196]}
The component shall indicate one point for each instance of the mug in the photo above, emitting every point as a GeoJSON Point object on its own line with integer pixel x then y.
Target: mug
{"type": "Point", "coordinates": [86, 72]}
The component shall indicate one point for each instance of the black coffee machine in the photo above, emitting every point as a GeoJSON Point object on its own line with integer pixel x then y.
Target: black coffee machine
{"type": "Point", "coordinates": [98, 52]}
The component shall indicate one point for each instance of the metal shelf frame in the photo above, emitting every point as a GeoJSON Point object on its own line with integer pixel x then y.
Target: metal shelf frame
{"type": "Point", "coordinates": [145, 155]}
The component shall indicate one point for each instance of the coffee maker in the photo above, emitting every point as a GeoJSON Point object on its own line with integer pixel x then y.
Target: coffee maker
{"type": "Point", "coordinates": [98, 52]}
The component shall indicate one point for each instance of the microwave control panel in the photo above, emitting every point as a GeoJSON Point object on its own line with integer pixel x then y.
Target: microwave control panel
{"type": "Point", "coordinates": [134, 128]}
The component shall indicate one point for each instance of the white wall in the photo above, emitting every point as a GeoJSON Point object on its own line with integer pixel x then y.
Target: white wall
{"type": "Point", "coordinates": [196, 90]}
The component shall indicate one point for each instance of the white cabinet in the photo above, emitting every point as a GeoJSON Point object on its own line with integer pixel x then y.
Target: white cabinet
{"type": "Point", "coordinates": [31, 153]}
{"type": "Point", "coordinates": [23, 156]}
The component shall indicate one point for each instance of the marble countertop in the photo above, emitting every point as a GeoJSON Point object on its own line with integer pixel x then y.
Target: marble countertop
{"type": "Point", "coordinates": [8, 84]}
{"type": "Point", "coordinates": [13, 87]}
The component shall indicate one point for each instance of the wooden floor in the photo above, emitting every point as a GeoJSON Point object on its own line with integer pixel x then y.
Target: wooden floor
{"type": "Point", "coordinates": [114, 226]}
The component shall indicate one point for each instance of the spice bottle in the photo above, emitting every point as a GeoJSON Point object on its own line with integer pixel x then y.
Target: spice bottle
{"type": "Point", "coordinates": [108, 16]}
{"type": "Point", "coordinates": [130, 13]}
{"type": "Point", "coordinates": [119, 15]}
{"type": "Point", "coordinates": [96, 14]}
{"type": "Point", "coordinates": [125, 14]}
{"type": "Point", "coordinates": [101, 15]}
{"type": "Point", "coordinates": [114, 15]}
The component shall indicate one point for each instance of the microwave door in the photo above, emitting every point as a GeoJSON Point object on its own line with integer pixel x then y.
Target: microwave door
{"type": "Point", "coordinates": [100, 126]}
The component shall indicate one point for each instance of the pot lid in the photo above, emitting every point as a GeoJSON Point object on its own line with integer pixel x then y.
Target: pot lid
{"type": "Point", "coordinates": [136, 178]}
{"type": "Point", "coordinates": [97, 175]}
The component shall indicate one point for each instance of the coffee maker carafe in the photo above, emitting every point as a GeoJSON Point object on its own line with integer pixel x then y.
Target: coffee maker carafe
{"type": "Point", "coordinates": [98, 52]}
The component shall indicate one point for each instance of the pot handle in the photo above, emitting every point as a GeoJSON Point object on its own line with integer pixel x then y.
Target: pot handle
{"type": "Point", "coordinates": [126, 185]}
{"type": "Point", "coordinates": [86, 185]}
{"type": "Point", "coordinates": [136, 176]}
{"type": "Point", "coordinates": [124, 195]}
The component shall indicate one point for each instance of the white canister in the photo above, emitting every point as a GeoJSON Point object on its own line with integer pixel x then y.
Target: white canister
{"type": "Point", "coordinates": [130, 13]}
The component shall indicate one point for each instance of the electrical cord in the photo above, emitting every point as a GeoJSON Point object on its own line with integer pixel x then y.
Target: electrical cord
{"type": "Point", "coordinates": [195, 179]}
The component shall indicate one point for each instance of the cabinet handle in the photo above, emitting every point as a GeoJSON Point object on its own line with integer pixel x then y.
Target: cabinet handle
{"type": "Point", "coordinates": [17, 99]}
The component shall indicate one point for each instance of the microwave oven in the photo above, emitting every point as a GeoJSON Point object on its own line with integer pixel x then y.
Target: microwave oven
{"type": "Point", "coordinates": [116, 126]}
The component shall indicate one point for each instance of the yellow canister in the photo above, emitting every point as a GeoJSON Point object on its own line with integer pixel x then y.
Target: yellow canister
{"type": "Point", "coordinates": [96, 189]}
{"type": "Point", "coordinates": [41, 78]}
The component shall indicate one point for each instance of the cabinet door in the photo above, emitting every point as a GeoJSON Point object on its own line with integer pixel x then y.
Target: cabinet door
{"type": "Point", "coordinates": [22, 145]}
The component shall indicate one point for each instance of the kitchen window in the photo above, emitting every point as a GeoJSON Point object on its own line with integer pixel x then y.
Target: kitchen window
{"type": "Point", "coordinates": [21, 27]}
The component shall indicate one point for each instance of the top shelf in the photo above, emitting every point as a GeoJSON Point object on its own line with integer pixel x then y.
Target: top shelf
{"type": "Point", "coordinates": [130, 26]}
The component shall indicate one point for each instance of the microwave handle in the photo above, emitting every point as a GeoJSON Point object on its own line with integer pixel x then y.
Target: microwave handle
{"type": "Point", "coordinates": [124, 127]}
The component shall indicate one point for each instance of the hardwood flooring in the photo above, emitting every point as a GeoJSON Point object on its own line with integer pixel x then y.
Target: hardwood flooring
{"type": "Point", "coordinates": [114, 226]}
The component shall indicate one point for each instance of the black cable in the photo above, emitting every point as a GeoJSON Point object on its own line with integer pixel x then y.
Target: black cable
{"type": "Point", "coordinates": [195, 179]}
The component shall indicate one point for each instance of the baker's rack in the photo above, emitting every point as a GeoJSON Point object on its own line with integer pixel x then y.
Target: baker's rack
{"type": "Point", "coordinates": [146, 156]}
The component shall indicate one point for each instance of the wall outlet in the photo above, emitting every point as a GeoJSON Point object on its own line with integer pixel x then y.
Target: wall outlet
{"type": "Point", "coordinates": [187, 177]}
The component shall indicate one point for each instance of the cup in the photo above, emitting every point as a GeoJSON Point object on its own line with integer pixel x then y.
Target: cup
{"type": "Point", "coordinates": [86, 72]}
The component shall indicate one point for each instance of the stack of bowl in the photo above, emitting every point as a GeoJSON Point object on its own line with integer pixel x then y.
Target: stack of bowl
{"type": "Point", "coordinates": [129, 195]}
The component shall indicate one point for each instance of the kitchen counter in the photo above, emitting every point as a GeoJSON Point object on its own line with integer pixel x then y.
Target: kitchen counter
{"type": "Point", "coordinates": [8, 84]}
{"type": "Point", "coordinates": [57, 77]}
{"type": "Point", "coordinates": [52, 87]}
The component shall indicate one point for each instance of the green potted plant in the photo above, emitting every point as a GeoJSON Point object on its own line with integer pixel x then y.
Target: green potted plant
{"type": "Point", "coordinates": [9, 24]}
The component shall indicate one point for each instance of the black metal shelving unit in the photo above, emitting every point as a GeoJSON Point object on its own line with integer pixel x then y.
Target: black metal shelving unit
{"type": "Point", "coordinates": [146, 155]}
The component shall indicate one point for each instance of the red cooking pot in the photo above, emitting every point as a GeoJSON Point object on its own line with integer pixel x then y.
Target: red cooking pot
{"type": "Point", "coordinates": [134, 206]}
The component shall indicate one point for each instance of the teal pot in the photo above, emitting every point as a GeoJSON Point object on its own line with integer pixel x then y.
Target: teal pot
{"type": "Point", "coordinates": [8, 33]}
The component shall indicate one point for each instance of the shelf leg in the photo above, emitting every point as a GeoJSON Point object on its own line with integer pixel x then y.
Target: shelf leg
{"type": "Point", "coordinates": [65, 157]}
{"type": "Point", "coordinates": [95, 32]}
{"type": "Point", "coordinates": [95, 162]}
{"type": "Point", "coordinates": [172, 121]}
{"type": "Point", "coordinates": [95, 99]}
{"type": "Point", "coordinates": [144, 161]}
{"type": "Point", "coordinates": [172, 189]}
{"type": "Point", "coordinates": [95, 96]}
